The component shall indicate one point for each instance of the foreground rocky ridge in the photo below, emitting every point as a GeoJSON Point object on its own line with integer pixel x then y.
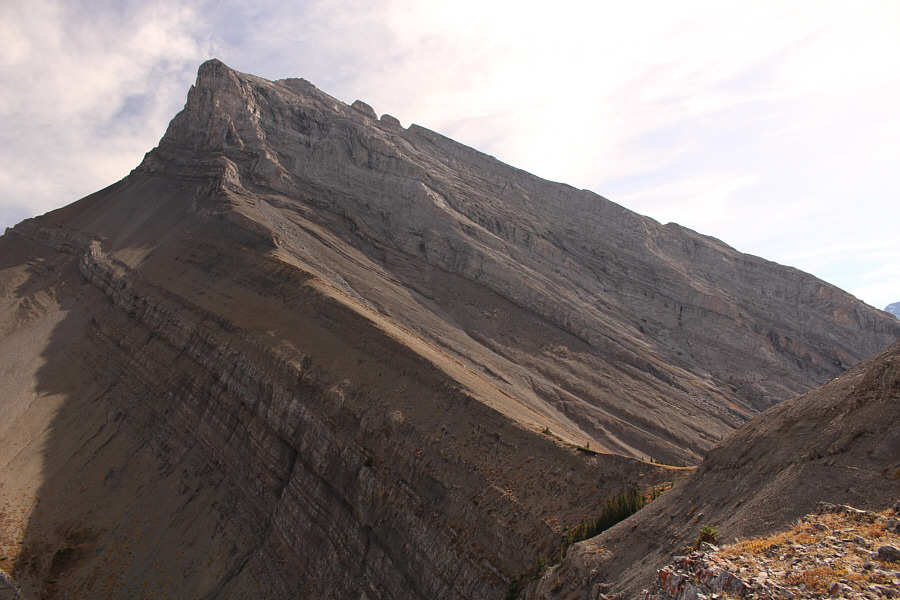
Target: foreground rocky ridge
{"type": "Point", "coordinates": [303, 351]}
{"type": "Point", "coordinates": [838, 444]}
{"type": "Point", "coordinates": [839, 551]}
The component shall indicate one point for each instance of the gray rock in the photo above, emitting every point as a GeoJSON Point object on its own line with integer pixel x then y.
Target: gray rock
{"type": "Point", "coordinates": [9, 589]}
{"type": "Point", "coordinates": [893, 308]}
{"type": "Point", "coordinates": [389, 120]}
{"type": "Point", "coordinates": [889, 553]}
{"type": "Point", "coordinates": [364, 108]}
{"type": "Point", "coordinates": [824, 507]}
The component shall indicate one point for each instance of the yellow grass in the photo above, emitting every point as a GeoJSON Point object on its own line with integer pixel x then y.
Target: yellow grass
{"type": "Point", "coordinates": [818, 579]}
{"type": "Point", "coordinates": [758, 545]}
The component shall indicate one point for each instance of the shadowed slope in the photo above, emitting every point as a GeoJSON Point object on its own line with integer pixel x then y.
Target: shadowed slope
{"type": "Point", "coordinates": [248, 429]}
{"type": "Point", "coordinates": [839, 444]}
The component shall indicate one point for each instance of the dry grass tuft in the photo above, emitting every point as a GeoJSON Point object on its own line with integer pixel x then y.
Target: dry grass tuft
{"type": "Point", "coordinates": [819, 578]}
{"type": "Point", "coordinates": [758, 545]}
{"type": "Point", "coordinates": [820, 550]}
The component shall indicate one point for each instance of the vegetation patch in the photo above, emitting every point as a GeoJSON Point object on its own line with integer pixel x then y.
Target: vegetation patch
{"type": "Point", "coordinates": [512, 591]}
{"type": "Point", "coordinates": [615, 509]}
{"type": "Point", "coordinates": [818, 578]}
{"type": "Point", "coordinates": [707, 535]}
{"type": "Point", "coordinates": [757, 545]}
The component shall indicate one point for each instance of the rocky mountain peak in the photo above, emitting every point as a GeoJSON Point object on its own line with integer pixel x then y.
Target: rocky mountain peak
{"type": "Point", "coordinates": [705, 329]}
{"type": "Point", "coordinates": [701, 319]}
{"type": "Point", "coordinates": [214, 74]}
{"type": "Point", "coordinates": [348, 359]}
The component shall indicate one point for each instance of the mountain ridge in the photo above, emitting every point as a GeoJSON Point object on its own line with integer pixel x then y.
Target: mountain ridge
{"type": "Point", "coordinates": [296, 334]}
{"type": "Point", "coordinates": [476, 222]}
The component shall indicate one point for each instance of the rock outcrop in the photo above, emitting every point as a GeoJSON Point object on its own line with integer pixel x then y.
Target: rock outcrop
{"type": "Point", "coordinates": [303, 351]}
{"type": "Point", "coordinates": [9, 590]}
{"type": "Point", "coordinates": [693, 577]}
{"type": "Point", "coordinates": [839, 551]}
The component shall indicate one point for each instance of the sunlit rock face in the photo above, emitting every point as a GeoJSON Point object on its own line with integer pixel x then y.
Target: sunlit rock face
{"type": "Point", "coordinates": [303, 351]}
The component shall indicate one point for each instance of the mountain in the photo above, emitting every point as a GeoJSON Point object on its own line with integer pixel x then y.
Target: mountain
{"type": "Point", "coordinates": [893, 308]}
{"type": "Point", "coordinates": [303, 351]}
{"type": "Point", "coordinates": [838, 444]}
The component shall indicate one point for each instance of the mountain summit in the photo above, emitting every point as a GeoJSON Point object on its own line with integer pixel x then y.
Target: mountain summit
{"type": "Point", "coordinates": [303, 351]}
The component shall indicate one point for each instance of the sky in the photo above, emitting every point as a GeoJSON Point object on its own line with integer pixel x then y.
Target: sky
{"type": "Point", "coordinates": [773, 126]}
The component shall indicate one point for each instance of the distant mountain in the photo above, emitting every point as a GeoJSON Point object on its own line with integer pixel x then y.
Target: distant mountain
{"type": "Point", "coordinates": [894, 309]}
{"type": "Point", "coordinates": [301, 351]}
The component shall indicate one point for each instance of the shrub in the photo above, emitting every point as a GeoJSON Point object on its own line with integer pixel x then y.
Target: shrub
{"type": "Point", "coordinates": [707, 534]}
{"type": "Point", "coordinates": [615, 509]}
{"type": "Point", "coordinates": [512, 592]}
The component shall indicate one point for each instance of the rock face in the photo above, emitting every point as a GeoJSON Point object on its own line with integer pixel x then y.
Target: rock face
{"type": "Point", "coordinates": [302, 351]}
{"type": "Point", "coordinates": [838, 444]}
{"type": "Point", "coordinates": [693, 577]}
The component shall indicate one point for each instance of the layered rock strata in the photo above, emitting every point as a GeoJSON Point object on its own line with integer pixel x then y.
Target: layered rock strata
{"type": "Point", "coordinates": [211, 458]}
{"type": "Point", "coordinates": [301, 351]}
{"type": "Point", "coordinates": [651, 340]}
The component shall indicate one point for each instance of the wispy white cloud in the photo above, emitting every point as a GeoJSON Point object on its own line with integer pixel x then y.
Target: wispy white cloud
{"type": "Point", "coordinates": [771, 125]}
{"type": "Point", "coordinates": [87, 88]}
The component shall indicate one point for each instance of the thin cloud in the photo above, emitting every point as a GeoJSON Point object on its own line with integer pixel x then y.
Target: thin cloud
{"type": "Point", "coordinates": [87, 92]}
{"type": "Point", "coordinates": [758, 123]}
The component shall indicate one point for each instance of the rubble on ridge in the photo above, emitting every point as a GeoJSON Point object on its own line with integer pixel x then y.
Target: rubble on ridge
{"type": "Point", "coordinates": [837, 552]}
